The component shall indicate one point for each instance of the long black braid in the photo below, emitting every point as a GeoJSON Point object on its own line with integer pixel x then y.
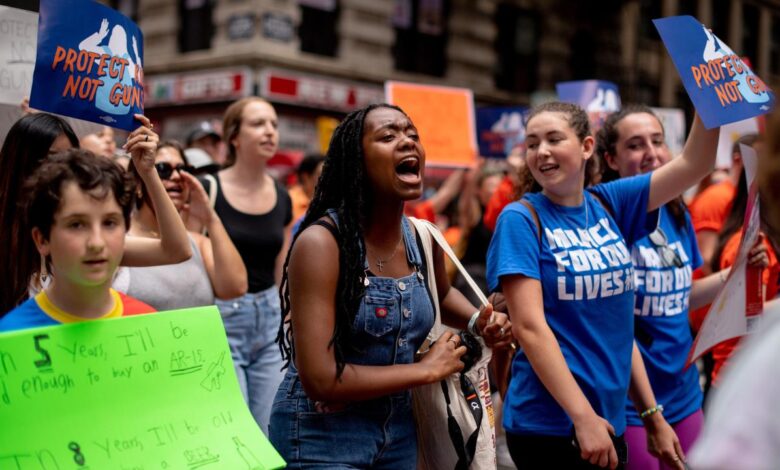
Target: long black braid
{"type": "Point", "coordinates": [342, 186]}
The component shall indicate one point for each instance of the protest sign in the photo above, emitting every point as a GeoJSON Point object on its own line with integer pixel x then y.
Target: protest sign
{"type": "Point", "coordinates": [673, 120]}
{"type": "Point", "coordinates": [18, 37]}
{"type": "Point", "coordinates": [499, 130]}
{"type": "Point", "coordinates": [599, 98]}
{"type": "Point", "coordinates": [138, 392]}
{"type": "Point", "coordinates": [721, 86]}
{"type": "Point", "coordinates": [444, 118]}
{"type": "Point", "coordinates": [729, 135]}
{"type": "Point", "coordinates": [739, 303]}
{"type": "Point", "coordinates": [88, 64]}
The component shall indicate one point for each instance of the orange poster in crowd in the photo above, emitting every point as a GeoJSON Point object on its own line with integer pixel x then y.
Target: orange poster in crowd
{"type": "Point", "coordinates": [444, 117]}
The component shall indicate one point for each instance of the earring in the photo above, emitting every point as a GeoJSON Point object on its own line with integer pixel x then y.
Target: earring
{"type": "Point", "coordinates": [43, 276]}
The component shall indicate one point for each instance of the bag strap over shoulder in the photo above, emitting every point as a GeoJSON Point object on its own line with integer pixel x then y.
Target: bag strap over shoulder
{"type": "Point", "coordinates": [425, 227]}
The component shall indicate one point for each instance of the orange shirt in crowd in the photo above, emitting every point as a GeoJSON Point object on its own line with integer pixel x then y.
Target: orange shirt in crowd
{"type": "Point", "coordinates": [722, 351]}
{"type": "Point", "coordinates": [300, 201]}
{"type": "Point", "coordinates": [505, 193]}
{"type": "Point", "coordinates": [709, 210]}
{"type": "Point", "coordinates": [422, 210]}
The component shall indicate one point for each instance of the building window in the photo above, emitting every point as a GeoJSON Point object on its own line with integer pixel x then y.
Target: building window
{"type": "Point", "coordinates": [648, 11]}
{"type": "Point", "coordinates": [721, 15]}
{"type": "Point", "coordinates": [318, 30]}
{"type": "Point", "coordinates": [129, 8]}
{"type": "Point", "coordinates": [196, 27]}
{"type": "Point", "coordinates": [774, 58]}
{"type": "Point", "coordinates": [749, 33]}
{"type": "Point", "coordinates": [517, 44]}
{"type": "Point", "coordinates": [421, 35]}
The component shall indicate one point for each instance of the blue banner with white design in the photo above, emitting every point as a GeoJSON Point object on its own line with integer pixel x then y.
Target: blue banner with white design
{"type": "Point", "coordinates": [594, 96]}
{"type": "Point", "coordinates": [722, 87]}
{"type": "Point", "coordinates": [499, 130]}
{"type": "Point", "coordinates": [88, 64]}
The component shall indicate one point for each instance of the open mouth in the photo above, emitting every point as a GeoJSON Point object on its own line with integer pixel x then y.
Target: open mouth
{"type": "Point", "coordinates": [175, 191]}
{"type": "Point", "coordinates": [408, 170]}
{"type": "Point", "coordinates": [547, 167]}
{"type": "Point", "coordinates": [95, 262]}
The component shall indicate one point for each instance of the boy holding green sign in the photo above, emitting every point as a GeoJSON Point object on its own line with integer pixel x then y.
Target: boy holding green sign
{"type": "Point", "coordinates": [79, 207]}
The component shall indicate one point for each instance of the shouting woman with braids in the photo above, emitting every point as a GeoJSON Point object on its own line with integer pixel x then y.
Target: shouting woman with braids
{"type": "Point", "coordinates": [359, 307]}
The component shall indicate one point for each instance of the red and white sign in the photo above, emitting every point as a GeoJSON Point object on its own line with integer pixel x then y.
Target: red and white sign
{"type": "Point", "coordinates": [198, 87]}
{"type": "Point", "coordinates": [317, 92]}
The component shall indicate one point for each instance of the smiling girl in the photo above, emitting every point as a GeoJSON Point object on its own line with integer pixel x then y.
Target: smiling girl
{"type": "Point", "coordinates": [561, 257]}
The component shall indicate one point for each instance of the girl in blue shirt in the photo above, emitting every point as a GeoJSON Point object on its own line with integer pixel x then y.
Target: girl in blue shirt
{"type": "Point", "coordinates": [570, 294]}
{"type": "Point", "coordinates": [632, 142]}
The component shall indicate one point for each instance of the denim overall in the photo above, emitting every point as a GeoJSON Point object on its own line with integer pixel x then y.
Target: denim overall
{"type": "Point", "coordinates": [394, 318]}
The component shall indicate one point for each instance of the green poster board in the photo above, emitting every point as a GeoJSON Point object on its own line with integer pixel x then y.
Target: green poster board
{"type": "Point", "coordinates": [136, 393]}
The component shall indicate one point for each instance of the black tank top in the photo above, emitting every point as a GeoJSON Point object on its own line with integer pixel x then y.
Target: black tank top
{"type": "Point", "coordinates": [258, 238]}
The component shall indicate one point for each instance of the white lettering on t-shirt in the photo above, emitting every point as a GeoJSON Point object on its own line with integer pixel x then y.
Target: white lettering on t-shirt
{"type": "Point", "coordinates": [666, 288]}
{"type": "Point", "coordinates": [592, 262]}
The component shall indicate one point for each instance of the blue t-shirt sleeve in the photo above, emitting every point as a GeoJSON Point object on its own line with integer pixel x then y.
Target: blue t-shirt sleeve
{"type": "Point", "coordinates": [696, 259]}
{"type": "Point", "coordinates": [627, 199]}
{"type": "Point", "coordinates": [26, 315]}
{"type": "Point", "coordinates": [514, 248]}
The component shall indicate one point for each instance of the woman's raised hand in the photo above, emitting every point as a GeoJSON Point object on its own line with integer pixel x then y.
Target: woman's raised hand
{"type": "Point", "coordinates": [198, 207]}
{"type": "Point", "coordinates": [142, 146]}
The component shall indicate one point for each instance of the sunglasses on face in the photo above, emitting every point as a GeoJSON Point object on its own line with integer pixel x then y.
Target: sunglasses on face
{"type": "Point", "coordinates": [669, 257]}
{"type": "Point", "coordinates": [165, 169]}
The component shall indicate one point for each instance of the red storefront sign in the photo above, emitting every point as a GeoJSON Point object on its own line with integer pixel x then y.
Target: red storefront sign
{"type": "Point", "coordinates": [317, 92]}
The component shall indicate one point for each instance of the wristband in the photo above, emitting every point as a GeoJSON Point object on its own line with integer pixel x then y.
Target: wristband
{"type": "Point", "coordinates": [472, 328]}
{"type": "Point", "coordinates": [651, 411]}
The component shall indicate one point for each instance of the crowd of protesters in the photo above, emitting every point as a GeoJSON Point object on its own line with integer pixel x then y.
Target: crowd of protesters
{"type": "Point", "coordinates": [322, 285]}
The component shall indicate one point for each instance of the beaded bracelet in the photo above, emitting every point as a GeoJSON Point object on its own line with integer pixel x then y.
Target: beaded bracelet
{"type": "Point", "coordinates": [651, 411]}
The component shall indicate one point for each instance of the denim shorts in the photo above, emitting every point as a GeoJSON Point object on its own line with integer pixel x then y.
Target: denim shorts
{"type": "Point", "coordinates": [377, 434]}
{"type": "Point", "coordinates": [252, 323]}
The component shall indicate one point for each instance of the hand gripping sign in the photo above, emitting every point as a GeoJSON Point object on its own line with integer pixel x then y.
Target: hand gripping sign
{"type": "Point", "coordinates": [88, 63]}
{"type": "Point", "coordinates": [722, 87]}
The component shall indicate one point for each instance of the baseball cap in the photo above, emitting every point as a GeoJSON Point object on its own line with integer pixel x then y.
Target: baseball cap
{"type": "Point", "coordinates": [203, 129]}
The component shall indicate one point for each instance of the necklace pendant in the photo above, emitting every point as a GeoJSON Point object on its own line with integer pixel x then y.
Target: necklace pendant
{"type": "Point", "coordinates": [380, 264]}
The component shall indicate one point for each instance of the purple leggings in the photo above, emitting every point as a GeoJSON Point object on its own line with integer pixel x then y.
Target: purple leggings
{"type": "Point", "coordinates": [640, 459]}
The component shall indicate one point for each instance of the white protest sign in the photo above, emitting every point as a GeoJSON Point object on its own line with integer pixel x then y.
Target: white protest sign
{"type": "Point", "coordinates": [673, 120]}
{"type": "Point", "coordinates": [740, 297]}
{"type": "Point", "coordinates": [729, 135]}
{"type": "Point", "coordinates": [18, 42]}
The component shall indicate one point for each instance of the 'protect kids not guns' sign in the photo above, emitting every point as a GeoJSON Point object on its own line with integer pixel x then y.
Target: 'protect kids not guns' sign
{"type": "Point", "coordinates": [88, 63]}
{"type": "Point", "coordinates": [722, 87]}
{"type": "Point", "coordinates": [150, 391]}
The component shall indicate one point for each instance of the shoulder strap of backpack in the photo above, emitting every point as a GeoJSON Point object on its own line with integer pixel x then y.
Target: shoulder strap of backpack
{"type": "Point", "coordinates": [531, 209]}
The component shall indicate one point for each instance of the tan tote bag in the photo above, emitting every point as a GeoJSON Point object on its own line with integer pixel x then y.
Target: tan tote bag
{"type": "Point", "coordinates": [435, 448]}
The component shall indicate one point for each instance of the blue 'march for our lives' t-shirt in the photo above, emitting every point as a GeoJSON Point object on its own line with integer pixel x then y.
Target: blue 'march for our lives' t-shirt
{"type": "Point", "coordinates": [663, 334]}
{"type": "Point", "coordinates": [587, 282]}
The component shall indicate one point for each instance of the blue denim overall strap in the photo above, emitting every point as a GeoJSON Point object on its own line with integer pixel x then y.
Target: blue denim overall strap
{"type": "Point", "coordinates": [394, 316]}
{"type": "Point", "coordinates": [392, 321]}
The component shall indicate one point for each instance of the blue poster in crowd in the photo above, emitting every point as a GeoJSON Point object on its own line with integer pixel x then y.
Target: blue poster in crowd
{"type": "Point", "coordinates": [594, 96]}
{"type": "Point", "coordinates": [721, 86]}
{"type": "Point", "coordinates": [88, 64]}
{"type": "Point", "coordinates": [499, 130]}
